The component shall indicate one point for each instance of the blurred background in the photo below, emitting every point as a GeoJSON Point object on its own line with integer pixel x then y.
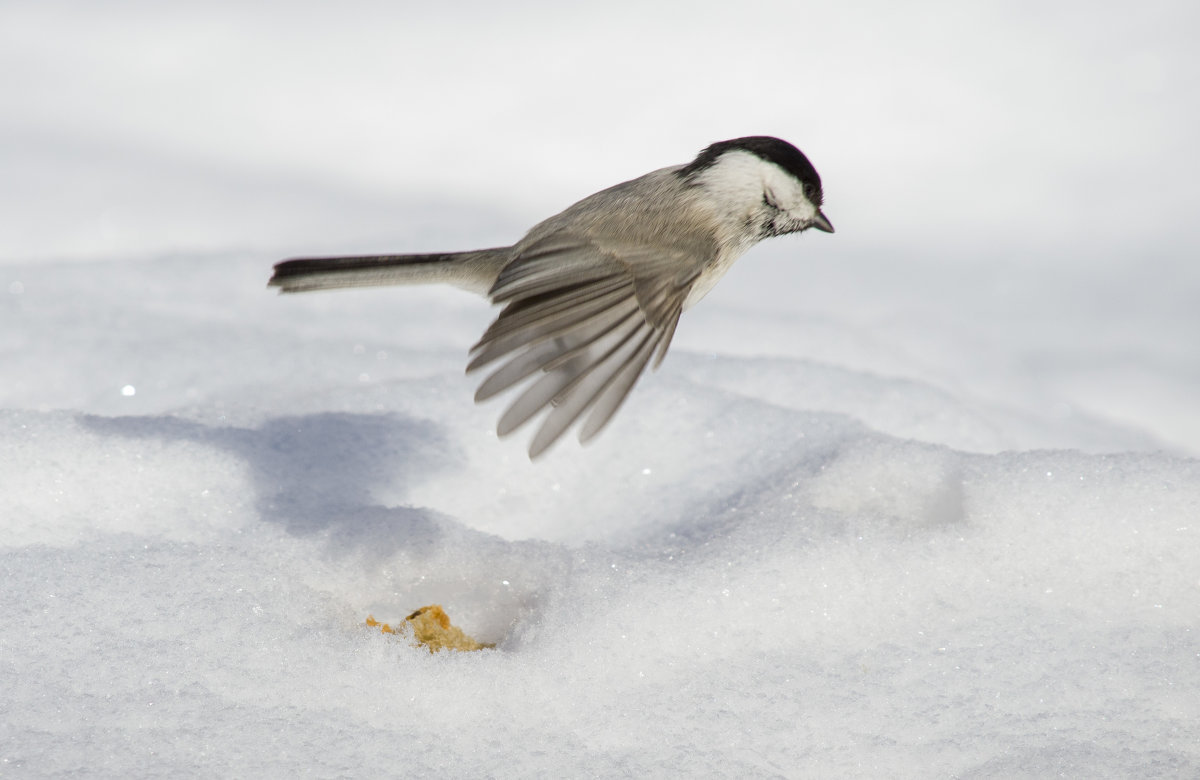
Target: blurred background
{"type": "Point", "coordinates": [1013, 183]}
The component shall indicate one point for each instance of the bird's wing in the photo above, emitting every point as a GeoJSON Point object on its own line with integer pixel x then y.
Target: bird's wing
{"type": "Point", "coordinates": [583, 320]}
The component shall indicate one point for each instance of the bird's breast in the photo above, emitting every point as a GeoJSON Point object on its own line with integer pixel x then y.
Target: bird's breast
{"type": "Point", "coordinates": [709, 277]}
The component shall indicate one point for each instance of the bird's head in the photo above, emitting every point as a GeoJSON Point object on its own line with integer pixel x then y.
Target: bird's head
{"type": "Point", "coordinates": [759, 186]}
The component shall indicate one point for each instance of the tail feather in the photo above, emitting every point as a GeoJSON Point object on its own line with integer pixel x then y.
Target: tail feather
{"type": "Point", "coordinates": [475, 271]}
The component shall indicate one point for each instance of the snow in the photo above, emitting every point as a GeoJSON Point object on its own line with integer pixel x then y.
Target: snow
{"type": "Point", "coordinates": [916, 499]}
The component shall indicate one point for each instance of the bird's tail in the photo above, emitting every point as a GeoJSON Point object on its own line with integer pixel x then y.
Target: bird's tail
{"type": "Point", "coordinates": [475, 271]}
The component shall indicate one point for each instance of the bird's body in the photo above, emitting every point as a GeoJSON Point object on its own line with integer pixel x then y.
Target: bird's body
{"type": "Point", "coordinates": [592, 293]}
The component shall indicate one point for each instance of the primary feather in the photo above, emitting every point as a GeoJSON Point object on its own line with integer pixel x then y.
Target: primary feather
{"type": "Point", "coordinates": [588, 320]}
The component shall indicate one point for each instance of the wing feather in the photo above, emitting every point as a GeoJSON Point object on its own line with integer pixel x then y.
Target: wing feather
{"type": "Point", "coordinates": [558, 384]}
{"type": "Point", "coordinates": [568, 406]}
{"type": "Point", "coordinates": [609, 401]}
{"type": "Point", "coordinates": [570, 312]}
{"type": "Point", "coordinates": [530, 311]}
{"type": "Point", "coordinates": [539, 270]}
{"type": "Point", "coordinates": [588, 319]}
{"type": "Point", "coordinates": [549, 355]}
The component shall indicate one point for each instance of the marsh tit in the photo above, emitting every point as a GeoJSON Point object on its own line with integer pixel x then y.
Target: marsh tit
{"type": "Point", "coordinates": [592, 294]}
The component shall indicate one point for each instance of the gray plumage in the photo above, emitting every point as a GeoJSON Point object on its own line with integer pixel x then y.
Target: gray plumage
{"type": "Point", "coordinates": [593, 294]}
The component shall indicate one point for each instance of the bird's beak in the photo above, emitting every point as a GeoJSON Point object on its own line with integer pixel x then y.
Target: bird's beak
{"type": "Point", "coordinates": [822, 223]}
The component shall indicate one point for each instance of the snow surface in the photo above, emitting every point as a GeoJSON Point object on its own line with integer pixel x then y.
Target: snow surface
{"type": "Point", "coordinates": [920, 498]}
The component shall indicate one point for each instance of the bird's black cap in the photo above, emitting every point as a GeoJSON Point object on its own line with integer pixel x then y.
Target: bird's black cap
{"type": "Point", "coordinates": [773, 150]}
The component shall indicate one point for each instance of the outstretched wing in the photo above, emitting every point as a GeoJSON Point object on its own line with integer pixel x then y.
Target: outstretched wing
{"type": "Point", "coordinates": [582, 321]}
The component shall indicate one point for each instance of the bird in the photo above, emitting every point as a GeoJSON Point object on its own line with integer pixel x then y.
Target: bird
{"type": "Point", "coordinates": [593, 294]}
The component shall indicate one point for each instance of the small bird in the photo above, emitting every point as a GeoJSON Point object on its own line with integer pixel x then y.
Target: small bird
{"type": "Point", "coordinates": [591, 294]}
